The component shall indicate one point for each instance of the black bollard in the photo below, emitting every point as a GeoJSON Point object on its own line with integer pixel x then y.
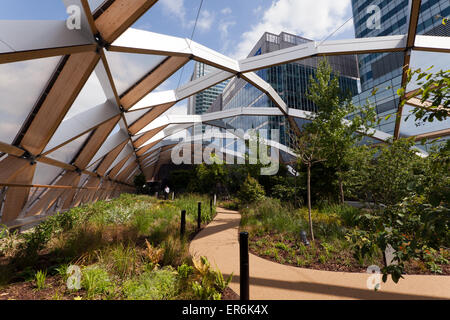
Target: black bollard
{"type": "Point", "coordinates": [199, 217]}
{"type": "Point", "coordinates": [244, 268]}
{"type": "Point", "coordinates": [183, 223]}
{"type": "Point", "coordinates": [210, 206]}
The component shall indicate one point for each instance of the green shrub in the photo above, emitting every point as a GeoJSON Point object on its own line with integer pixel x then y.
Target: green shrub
{"type": "Point", "coordinates": [184, 271]}
{"type": "Point", "coordinates": [205, 292]}
{"type": "Point", "coordinates": [152, 285]}
{"type": "Point", "coordinates": [96, 281]}
{"type": "Point", "coordinates": [124, 261]}
{"type": "Point", "coordinates": [175, 251]}
{"type": "Point", "coordinates": [251, 191]}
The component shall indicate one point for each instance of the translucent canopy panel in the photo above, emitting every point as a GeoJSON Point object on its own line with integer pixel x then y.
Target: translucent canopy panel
{"type": "Point", "coordinates": [21, 84]}
{"type": "Point", "coordinates": [90, 96]}
{"type": "Point", "coordinates": [67, 152]}
{"type": "Point", "coordinates": [430, 18]}
{"type": "Point", "coordinates": [181, 108]}
{"type": "Point", "coordinates": [434, 62]}
{"type": "Point", "coordinates": [124, 153]}
{"type": "Point", "coordinates": [381, 77]}
{"type": "Point", "coordinates": [46, 174]}
{"type": "Point", "coordinates": [94, 165]}
{"type": "Point", "coordinates": [115, 138]}
{"type": "Point", "coordinates": [83, 180]}
{"type": "Point", "coordinates": [179, 78]}
{"type": "Point", "coordinates": [128, 68]}
{"type": "Point", "coordinates": [167, 131]}
{"type": "Point", "coordinates": [174, 138]}
{"type": "Point", "coordinates": [425, 60]}
{"type": "Point", "coordinates": [95, 4]}
{"type": "Point", "coordinates": [410, 127]}
{"type": "Point", "coordinates": [127, 163]}
{"type": "Point", "coordinates": [131, 117]}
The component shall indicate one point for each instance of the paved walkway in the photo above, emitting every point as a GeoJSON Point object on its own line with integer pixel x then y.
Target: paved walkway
{"type": "Point", "coordinates": [273, 281]}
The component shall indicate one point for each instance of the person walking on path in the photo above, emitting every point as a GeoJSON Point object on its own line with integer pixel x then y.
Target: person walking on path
{"type": "Point", "coordinates": [166, 192]}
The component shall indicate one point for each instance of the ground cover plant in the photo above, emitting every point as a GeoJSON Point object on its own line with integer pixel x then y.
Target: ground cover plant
{"type": "Point", "coordinates": [126, 248]}
{"type": "Point", "coordinates": [275, 229]}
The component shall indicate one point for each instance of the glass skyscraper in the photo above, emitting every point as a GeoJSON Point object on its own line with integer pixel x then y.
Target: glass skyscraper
{"type": "Point", "coordinates": [200, 102]}
{"type": "Point", "coordinates": [289, 80]}
{"type": "Point", "coordinates": [384, 70]}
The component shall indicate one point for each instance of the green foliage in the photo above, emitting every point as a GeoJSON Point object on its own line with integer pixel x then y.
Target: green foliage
{"type": "Point", "coordinates": [410, 228]}
{"type": "Point", "coordinates": [335, 123]}
{"type": "Point", "coordinates": [209, 178]}
{"type": "Point", "coordinates": [184, 271]}
{"type": "Point", "coordinates": [108, 241]}
{"type": "Point", "coordinates": [434, 88]}
{"type": "Point", "coordinates": [8, 240]}
{"type": "Point", "coordinates": [386, 177]}
{"type": "Point", "coordinates": [40, 279]}
{"type": "Point", "coordinates": [62, 271]}
{"type": "Point", "coordinates": [220, 282]}
{"type": "Point", "coordinates": [287, 189]}
{"type": "Point", "coordinates": [175, 251]}
{"type": "Point", "coordinates": [210, 283]}
{"type": "Point", "coordinates": [122, 260]}
{"type": "Point", "coordinates": [96, 281]}
{"type": "Point", "coordinates": [204, 292]}
{"type": "Point", "coordinates": [251, 191]}
{"type": "Point", "coordinates": [152, 285]}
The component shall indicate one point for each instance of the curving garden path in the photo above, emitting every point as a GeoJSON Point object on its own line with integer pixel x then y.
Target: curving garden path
{"type": "Point", "coordinates": [273, 281]}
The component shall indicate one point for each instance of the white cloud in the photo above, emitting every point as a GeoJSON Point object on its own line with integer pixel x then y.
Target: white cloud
{"type": "Point", "coordinates": [257, 10]}
{"type": "Point", "coordinates": [205, 20]}
{"type": "Point", "coordinates": [224, 27]}
{"type": "Point", "coordinates": [174, 7]}
{"type": "Point", "coordinates": [313, 19]}
{"type": "Point", "coordinates": [226, 10]}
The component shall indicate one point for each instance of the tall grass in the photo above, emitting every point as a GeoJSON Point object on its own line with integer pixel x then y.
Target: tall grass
{"type": "Point", "coordinates": [271, 216]}
{"type": "Point", "coordinates": [128, 247]}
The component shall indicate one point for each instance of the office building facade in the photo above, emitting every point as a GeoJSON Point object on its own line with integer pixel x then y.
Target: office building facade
{"type": "Point", "coordinates": [384, 70]}
{"type": "Point", "coordinates": [200, 102]}
{"type": "Point", "coordinates": [290, 81]}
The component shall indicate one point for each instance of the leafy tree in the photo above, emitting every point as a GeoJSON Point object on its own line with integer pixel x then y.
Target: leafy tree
{"type": "Point", "coordinates": [251, 191]}
{"type": "Point", "coordinates": [415, 218]}
{"type": "Point", "coordinates": [309, 152]}
{"type": "Point", "coordinates": [396, 169]}
{"type": "Point", "coordinates": [336, 120]}
{"type": "Point", "coordinates": [359, 173]}
{"type": "Point", "coordinates": [209, 178]}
